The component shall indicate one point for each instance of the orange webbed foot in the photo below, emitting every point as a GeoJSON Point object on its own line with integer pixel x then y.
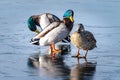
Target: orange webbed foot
{"type": "Point", "coordinates": [54, 51]}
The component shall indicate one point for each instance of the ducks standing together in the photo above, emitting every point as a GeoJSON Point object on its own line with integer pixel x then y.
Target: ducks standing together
{"type": "Point", "coordinates": [54, 30]}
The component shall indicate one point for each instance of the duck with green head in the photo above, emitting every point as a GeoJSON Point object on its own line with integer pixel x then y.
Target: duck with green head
{"type": "Point", "coordinates": [56, 31]}
{"type": "Point", "coordinates": [43, 20]}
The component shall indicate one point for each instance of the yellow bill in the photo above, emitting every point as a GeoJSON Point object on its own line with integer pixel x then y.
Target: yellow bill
{"type": "Point", "coordinates": [71, 18]}
{"type": "Point", "coordinates": [37, 31]}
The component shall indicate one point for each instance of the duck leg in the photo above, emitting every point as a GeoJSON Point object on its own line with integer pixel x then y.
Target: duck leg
{"type": "Point", "coordinates": [53, 50]}
{"type": "Point", "coordinates": [77, 54]}
{"type": "Point", "coordinates": [85, 54]}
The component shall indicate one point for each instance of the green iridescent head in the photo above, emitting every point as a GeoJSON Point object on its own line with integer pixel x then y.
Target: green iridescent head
{"type": "Point", "coordinates": [31, 24]}
{"type": "Point", "coordinates": [69, 14]}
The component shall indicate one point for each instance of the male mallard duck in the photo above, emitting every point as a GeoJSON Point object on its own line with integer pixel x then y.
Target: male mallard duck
{"type": "Point", "coordinates": [56, 31]}
{"type": "Point", "coordinates": [43, 20]}
{"type": "Point", "coordinates": [83, 39]}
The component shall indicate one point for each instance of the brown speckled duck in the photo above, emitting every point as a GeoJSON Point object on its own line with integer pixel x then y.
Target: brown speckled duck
{"type": "Point", "coordinates": [83, 39]}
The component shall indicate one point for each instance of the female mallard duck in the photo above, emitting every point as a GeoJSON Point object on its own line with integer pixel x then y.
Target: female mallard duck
{"type": "Point", "coordinates": [56, 31]}
{"type": "Point", "coordinates": [83, 39]}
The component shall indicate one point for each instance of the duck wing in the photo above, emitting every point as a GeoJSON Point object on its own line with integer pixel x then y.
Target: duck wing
{"type": "Point", "coordinates": [89, 36]}
{"type": "Point", "coordinates": [49, 28]}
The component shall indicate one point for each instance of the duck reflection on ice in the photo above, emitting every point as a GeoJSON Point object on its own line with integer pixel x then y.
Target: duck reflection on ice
{"type": "Point", "coordinates": [47, 66]}
{"type": "Point", "coordinates": [35, 60]}
{"type": "Point", "coordinates": [57, 68]}
{"type": "Point", "coordinates": [83, 71]}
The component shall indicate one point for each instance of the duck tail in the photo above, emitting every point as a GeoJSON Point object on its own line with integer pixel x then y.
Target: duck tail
{"type": "Point", "coordinates": [35, 41]}
{"type": "Point", "coordinates": [67, 39]}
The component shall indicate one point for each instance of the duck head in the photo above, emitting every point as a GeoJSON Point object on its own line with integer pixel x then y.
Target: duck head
{"type": "Point", "coordinates": [69, 14]}
{"type": "Point", "coordinates": [80, 28]}
{"type": "Point", "coordinates": [32, 25]}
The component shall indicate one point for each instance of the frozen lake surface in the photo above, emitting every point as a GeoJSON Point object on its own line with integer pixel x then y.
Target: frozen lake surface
{"type": "Point", "coordinates": [101, 17]}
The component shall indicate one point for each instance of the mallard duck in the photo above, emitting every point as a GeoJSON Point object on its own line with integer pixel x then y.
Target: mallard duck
{"type": "Point", "coordinates": [83, 39]}
{"type": "Point", "coordinates": [56, 31]}
{"type": "Point", "coordinates": [43, 20]}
